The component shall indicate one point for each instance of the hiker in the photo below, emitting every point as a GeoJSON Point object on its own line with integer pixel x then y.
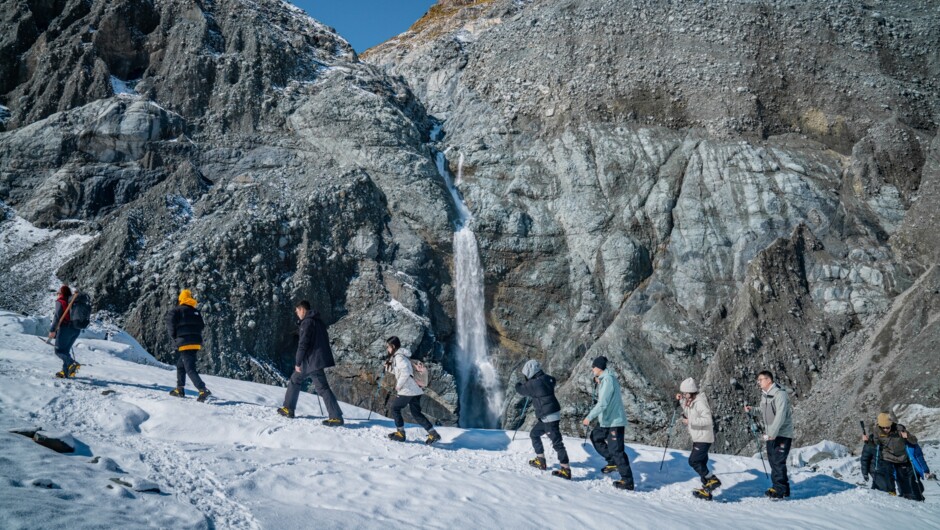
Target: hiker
{"type": "Point", "coordinates": [612, 421]}
{"type": "Point", "coordinates": [697, 416]}
{"type": "Point", "coordinates": [776, 414]}
{"type": "Point", "coordinates": [184, 324]}
{"type": "Point", "coordinates": [64, 333]}
{"type": "Point", "coordinates": [886, 459]}
{"type": "Point", "coordinates": [313, 357]}
{"type": "Point", "coordinates": [539, 387]}
{"type": "Point", "coordinates": [408, 392]}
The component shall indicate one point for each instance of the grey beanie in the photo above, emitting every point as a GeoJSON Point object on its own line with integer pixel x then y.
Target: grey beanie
{"type": "Point", "coordinates": [531, 368]}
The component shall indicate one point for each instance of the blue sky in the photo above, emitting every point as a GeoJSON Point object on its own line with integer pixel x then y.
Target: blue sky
{"type": "Point", "coordinates": [365, 23]}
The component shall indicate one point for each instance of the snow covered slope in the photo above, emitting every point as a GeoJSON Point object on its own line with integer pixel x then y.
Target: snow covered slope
{"type": "Point", "coordinates": [233, 463]}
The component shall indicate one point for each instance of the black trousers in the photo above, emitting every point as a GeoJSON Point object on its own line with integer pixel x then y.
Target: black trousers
{"type": "Point", "coordinates": [608, 442]}
{"type": "Point", "coordinates": [186, 365]}
{"type": "Point", "coordinates": [698, 459]}
{"type": "Point", "coordinates": [320, 385]}
{"type": "Point", "coordinates": [414, 405]}
{"type": "Point", "coordinates": [65, 338]}
{"type": "Point", "coordinates": [888, 473]}
{"type": "Point", "coordinates": [777, 451]}
{"type": "Point", "coordinates": [554, 434]}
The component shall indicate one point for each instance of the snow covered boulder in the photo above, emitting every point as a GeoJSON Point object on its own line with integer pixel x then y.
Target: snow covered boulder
{"type": "Point", "coordinates": [60, 442]}
{"type": "Point", "coordinates": [812, 454]}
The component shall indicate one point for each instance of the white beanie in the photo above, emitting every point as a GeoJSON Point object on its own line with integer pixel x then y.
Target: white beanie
{"type": "Point", "coordinates": [688, 386]}
{"type": "Point", "coordinates": [531, 368]}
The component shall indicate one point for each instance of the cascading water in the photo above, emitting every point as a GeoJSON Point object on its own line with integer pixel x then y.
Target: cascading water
{"type": "Point", "coordinates": [481, 398]}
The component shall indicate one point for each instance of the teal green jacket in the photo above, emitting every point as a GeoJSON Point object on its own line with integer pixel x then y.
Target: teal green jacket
{"type": "Point", "coordinates": [609, 409]}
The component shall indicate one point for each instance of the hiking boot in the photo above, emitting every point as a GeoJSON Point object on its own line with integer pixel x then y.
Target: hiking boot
{"type": "Point", "coordinates": [564, 472]}
{"type": "Point", "coordinates": [178, 392]}
{"type": "Point", "coordinates": [609, 468]}
{"type": "Point", "coordinates": [286, 412]}
{"type": "Point", "coordinates": [622, 485]}
{"type": "Point", "coordinates": [397, 436]}
{"type": "Point", "coordinates": [203, 394]}
{"type": "Point", "coordinates": [333, 422]}
{"type": "Point", "coordinates": [702, 493]}
{"type": "Point", "coordinates": [60, 374]}
{"type": "Point", "coordinates": [538, 463]}
{"type": "Point", "coordinates": [773, 493]}
{"type": "Point", "coordinates": [432, 437]}
{"type": "Point", "coordinates": [711, 484]}
{"type": "Point", "coordinates": [73, 369]}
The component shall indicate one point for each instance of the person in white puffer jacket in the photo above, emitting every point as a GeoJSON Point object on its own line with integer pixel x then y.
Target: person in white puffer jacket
{"type": "Point", "coordinates": [697, 416]}
{"type": "Point", "coordinates": [407, 390]}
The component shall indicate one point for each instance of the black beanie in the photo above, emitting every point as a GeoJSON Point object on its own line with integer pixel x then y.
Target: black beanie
{"type": "Point", "coordinates": [600, 362]}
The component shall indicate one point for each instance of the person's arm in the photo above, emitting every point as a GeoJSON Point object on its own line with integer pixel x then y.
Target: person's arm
{"type": "Point", "coordinates": [170, 321]}
{"type": "Point", "coordinates": [701, 420]}
{"type": "Point", "coordinates": [781, 405]}
{"type": "Point", "coordinates": [54, 325]}
{"type": "Point", "coordinates": [868, 454]}
{"type": "Point", "coordinates": [303, 342]}
{"type": "Point", "coordinates": [603, 398]}
{"type": "Point", "coordinates": [402, 372]}
{"type": "Point", "coordinates": [523, 389]}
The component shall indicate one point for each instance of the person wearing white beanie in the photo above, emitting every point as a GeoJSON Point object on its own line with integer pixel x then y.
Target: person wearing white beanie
{"type": "Point", "coordinates": [697, 416]}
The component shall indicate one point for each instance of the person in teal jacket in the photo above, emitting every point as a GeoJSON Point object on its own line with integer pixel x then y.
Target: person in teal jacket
{"type": "Point", "coordinates": [610, 415]}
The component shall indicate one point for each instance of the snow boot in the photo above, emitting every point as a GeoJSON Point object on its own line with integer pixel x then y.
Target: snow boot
{"type": "Point", "coordinates": [60, 374]}
{"type": "Point", "coordinates": [286, 412]}
{"type": "Point", "coordinates": [178, 392]}
{"type": "Point", "coordinates": [73, 369]}
{"type": "Point", "coordinates": [711, 484]}
{"type": "Point", "coordinates": [621, 485]}
{"type": "Point", "coordinates": [432, 437]}
{"type": "Point", "coordinates": [397, 436]}
{"type": "Point", "coordinates": [538, 463]}
{"type": "Point", "coordinates": [203, 394]}
{"type": "Point", "coordinates": [564, 472]}
{"type": "Point", "coordinates": [773, 493]}
{"type": "Point", "coordinates": [702, 493]}
{"type": "Point", "coordinates": [609, 468]}
{"type": "Point", "coordinates": [333, 422]}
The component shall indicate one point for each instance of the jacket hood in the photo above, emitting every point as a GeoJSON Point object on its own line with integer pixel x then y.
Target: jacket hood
{"type": "Point", "coordinates": [531, 368]}
{"type": "Point", "coordinates": [186, 298]}
{"type": "Point", "coordinates": [404, 352]}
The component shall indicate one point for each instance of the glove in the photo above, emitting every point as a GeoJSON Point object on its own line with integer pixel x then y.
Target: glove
{"type": "Point", "coordinates": [865, 478]}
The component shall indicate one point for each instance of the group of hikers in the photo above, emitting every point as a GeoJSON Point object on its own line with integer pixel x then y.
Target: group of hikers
{"type": "Point", "coordinates": [890, 456]}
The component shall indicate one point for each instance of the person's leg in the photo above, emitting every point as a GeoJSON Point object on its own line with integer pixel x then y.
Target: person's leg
{"type": "Point", "coordinates": [63, 347]}
{"type": "Point", "coordinates": [599, 441]}
{"type": "Point", "coordinates": [905, 477]}
{"type": "Point", "coordinates": [293, 390]}
{"type": "Point", "coordinates": [189, 361]}
{"type": "Point", "coordinates": [558, 444]}
{"type": "Point", "coordinates": [536, 437]}
{"type": "Point", "coordinates": [180, 370]}
{"type": "Point", "coordinates": [398, 404]}
{"type": "Point", "coordinates": [415, 406]}
{"type": "Point", "coordinates": [616, 449]}
{"type": "Point", "coordinates": [777, 451]}
{"type": "Point", "coordinates": [698, 459]}
{"type": "Point", "coordinates": [322, 387]}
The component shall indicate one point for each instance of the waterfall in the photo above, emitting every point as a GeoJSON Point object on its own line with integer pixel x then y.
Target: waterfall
{"type": "Point", "coordinates": [481, 398]}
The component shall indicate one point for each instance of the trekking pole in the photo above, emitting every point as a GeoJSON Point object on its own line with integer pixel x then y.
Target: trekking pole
{"type": "Point", "coordinates": [760, 450]}
{"type": "Point", "coordinates": [522, 417]}
{"type": "Point", "coordinates": [320, 402]}
{"type": "Point", "coordinates": [672, 425]}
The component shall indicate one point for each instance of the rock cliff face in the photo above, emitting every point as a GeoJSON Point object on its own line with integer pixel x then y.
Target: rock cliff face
{"type": "Point", "coordinates": [706, 190]}
{"type": "Point", "coordinates": [696, 189]}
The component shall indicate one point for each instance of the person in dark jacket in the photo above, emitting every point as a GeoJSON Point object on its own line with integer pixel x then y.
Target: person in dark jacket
{"type": "Point", "coordinates": [184, 324]}
{"type": "Point", "coordinates": [313, 356]}
{"type": "Point", "coordinates": [539, 387]}
{"type": "Point", "coordinates": [64, 333]}
{"type": "Point", "coordinates": [885, 458]}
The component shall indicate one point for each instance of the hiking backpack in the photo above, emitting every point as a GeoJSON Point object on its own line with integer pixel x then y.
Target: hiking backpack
{"type": "Point", "coordinates": [80, 313]}
{"type": "Point", "coordinates": [420, 373]}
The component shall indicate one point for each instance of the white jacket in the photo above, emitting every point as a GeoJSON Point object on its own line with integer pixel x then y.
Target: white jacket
{"type": "Point", "coordinates": [699, 414]}
{"type": "Point", "coordinates": [405, 384]}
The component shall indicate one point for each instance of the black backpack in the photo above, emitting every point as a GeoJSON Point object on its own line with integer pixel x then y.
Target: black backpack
{"type": "Point", "coordinates": [80, 313]}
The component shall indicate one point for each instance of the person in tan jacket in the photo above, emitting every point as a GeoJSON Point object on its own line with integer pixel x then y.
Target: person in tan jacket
{"type": "Point", "coordinates": [697, 416]}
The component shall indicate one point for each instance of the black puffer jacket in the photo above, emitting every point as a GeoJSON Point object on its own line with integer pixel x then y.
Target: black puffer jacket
{"type": "Point", "coordinates": [313, 347]}
{"type": "Point", "coordinates": [541, 390]}
{"type": "Point", "coordinates": [887, 447]}
{"type": "Point", "coordinates": [184, 324]}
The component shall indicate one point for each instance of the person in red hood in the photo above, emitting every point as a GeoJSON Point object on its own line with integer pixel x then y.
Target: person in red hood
{"type": "Point", "coordinates": [64, 333]}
